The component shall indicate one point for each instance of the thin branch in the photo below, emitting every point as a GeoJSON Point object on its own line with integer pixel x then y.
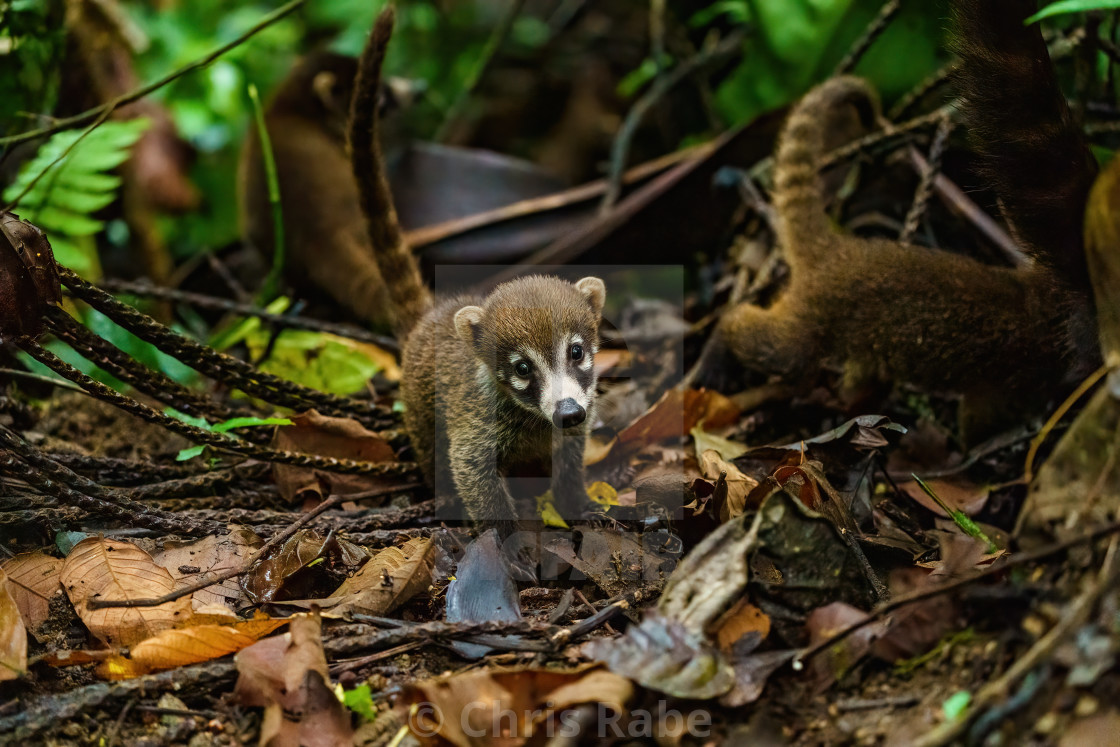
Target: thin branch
{"type": "Point", "coordinates": [620, 149]}
{"type": "Point", "coordinates": [493, 44]}
{"type": "Point", "coordinates": [225, 575]}
{"type": "Point", "coordinates": [105, 109]}
{"type": "Point", "coordinates": [877, 26]}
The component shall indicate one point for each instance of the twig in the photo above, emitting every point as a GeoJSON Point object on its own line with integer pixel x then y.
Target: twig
{"type": "Point", "coordinates": [925, 184]}
{"type": "Point", "coordinates": [227, 574]}
{"type": "Point", "coordinates": [431, 234]}
{"type": "Point", "coordinates": [877, 26]}
{"type": "Point", "coordinates": [493, 44]}
{"type": "Point", "coordinates": [956, 198]}
{"type": "Point", "coordinates": [1075, 616]}
{"type": "Point", "coordinates": [903, 106]}
{"type": "Point", "coordinates": [916, 596]}
{"type": "Point", "coordinates": [107, 108]}
{"type": "Point", "coordinates": [272, 280]}
{"type": "Point", "coordinates": [620, 149]}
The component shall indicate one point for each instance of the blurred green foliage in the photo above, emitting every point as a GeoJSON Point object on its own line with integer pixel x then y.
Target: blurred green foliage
{"type": "Point", "coordinates": [1073, 6]}
{"type": "Point", "coordinates": [793, 44]}
{"type": "Point", "coordinates": [69, 179]}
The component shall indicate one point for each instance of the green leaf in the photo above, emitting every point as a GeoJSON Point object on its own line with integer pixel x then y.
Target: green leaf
{"type": "Point", "coordinates": [960, 518]}
{"type": "Point", "coordinates": [62, 197]}
{"type": "Point", "coordinates": [222, 427]}
{"type": "Point", "coordinates": [315, 359]}
{"type": "Point", "coordinates": [232, 423]}
{"type": "Point", "coordinates": [956, 704]}
{"type": "Point", "coordinates": [1071, 6]}
{"type": "Point", "coordinates": [360, 701]}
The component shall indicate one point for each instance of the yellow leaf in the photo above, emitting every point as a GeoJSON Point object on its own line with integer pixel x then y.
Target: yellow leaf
{"type": "Point", "coordinates": [549, 515]}
{"type": "Point", "coordinates": [178, 648]}
{"type": "Point", "coordinates": [603, 494]}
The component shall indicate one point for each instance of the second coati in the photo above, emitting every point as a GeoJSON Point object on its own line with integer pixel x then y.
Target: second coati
{"type": "Point", "coordinates": [325, 236]}
{"type": "Point", "coordinates": [490, 384]}
{"type": "Point", "coordinates": [1004, 339]}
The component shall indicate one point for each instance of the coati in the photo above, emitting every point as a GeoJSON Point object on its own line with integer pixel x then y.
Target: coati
{"type": "Point", "coordinates": [1004, 339]}
{"type": "Point", "coordinates": [324, 231]}
{"type": "Point", "coordinates": [490, 384]}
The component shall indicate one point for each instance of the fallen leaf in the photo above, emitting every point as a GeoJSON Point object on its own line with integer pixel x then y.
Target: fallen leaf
{"type": "Point", "coordinates": [485, 700]}
{"type": "Point", "coordinates": [186, 561]}
{"type": "Point", "coordinates": [603, 493]}
{"type": "Point", "coordinates": [33, 578]}
{"type": "Point", "coordinates": [287, 676]}
{"type": "Point", "coordinates": [662, 654]}
{"type": "Point", "coordinates": [108, 569]}
{"type": "Point", "coordinates": [958, 494]}
{"type": "Point", "coordinates": [170, 649]}
{"type": "Point", "coordinates": [389, 579]}
{"type": "Point", "coordinates": [342, 438]}
{"type": "Point", "coordinates": [739, 485]}
{"type": "Point", "coordinates": [482, 590]}
{"type": "Point", "coordinates": [13, 635]}
{"type": "Point", "coordinates": [304, 566]}
{"type": "Point", "coordinates": [726, 448]}
{"type": "Point", "coordinates": [676, 414]}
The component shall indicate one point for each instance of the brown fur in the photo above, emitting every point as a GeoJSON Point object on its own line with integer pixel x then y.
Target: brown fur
{"type": "Point", "coordinates": [470, 427]}
{"type": "Point", "coordinates": [324, 232]}
{"type": "Point", "coordinates": [891, 312]}
{"type": "Point", "coordinates": [462, 414]}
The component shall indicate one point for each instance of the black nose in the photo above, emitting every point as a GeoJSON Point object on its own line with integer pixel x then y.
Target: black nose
{"type": "Point", "coordinates": [568, 413]}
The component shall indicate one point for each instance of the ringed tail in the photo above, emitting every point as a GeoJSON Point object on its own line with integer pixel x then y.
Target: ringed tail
{"type": "Point", "coordinates": [408, 293]}
{"type": "Point", "coordinates": [1031, 150]}
{"type": "Point", "coordinates": [803, 224]}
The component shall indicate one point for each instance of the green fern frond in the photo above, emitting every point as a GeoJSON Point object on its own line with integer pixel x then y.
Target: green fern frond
{"type": "Point", "coordinates": [66, 195]}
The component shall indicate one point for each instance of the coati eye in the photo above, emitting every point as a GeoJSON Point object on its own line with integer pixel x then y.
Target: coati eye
{"type": "Point", "coordinates": [522, 369]}
{"type": "Point", "coordinates": [577, 352]}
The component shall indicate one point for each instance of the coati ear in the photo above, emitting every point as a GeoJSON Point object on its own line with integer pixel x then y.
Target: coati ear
{"type": "Point", "coordinates": [595, 293]}
{"type": "Point", "coordinates": [467, 321]}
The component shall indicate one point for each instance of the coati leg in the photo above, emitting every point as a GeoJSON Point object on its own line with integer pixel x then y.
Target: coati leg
{"type": "Point", "coordinates": [569, 492]}
{"type": "Point", "coordinates": [771, 342]}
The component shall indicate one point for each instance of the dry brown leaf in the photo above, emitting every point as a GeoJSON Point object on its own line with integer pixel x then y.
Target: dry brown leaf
{"type": "Point", "coordinates": [302, 566]}
{"type": "Point", "coordinates": [182, 646]}
{"type": "Point", "coordinates": [100, 568]}
{"type": "Point", "coordinates": [388, 580]}
{"type": "Point", "coordinates": [13, 635]}
{"type": "Point", "coordinates": [677, 413]}
{"type": "Point", "coordinates": [342, 438]}
{"type": "Point", "coordinates": [485, 698]}
{"type": "Point", "coordinates": [958, 494]}
{"type": "Point", "coordinates": [739, 485]}
{"type": "Point", "coordinates": [33, 578]}
{"type": "Point", "coordinates": [187, 560]}
{"type": "Point", "coordinates": [287, 675]}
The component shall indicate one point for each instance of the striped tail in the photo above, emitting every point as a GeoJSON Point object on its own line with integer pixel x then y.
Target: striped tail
{"type": "Point", "coordinates": [1031, 151]}
{"type": "Point", "coordinates": [408, 293]}
{"type": "Point", "coordinates": [803, 226]}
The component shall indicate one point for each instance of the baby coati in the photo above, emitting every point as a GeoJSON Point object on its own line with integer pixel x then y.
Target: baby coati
{"type": "Point", "coordinates": [1004, 339]}
{"type": "Point", "coordinates": [325, 237]}
{"type": "Point", "coordinates": [491, 385]}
